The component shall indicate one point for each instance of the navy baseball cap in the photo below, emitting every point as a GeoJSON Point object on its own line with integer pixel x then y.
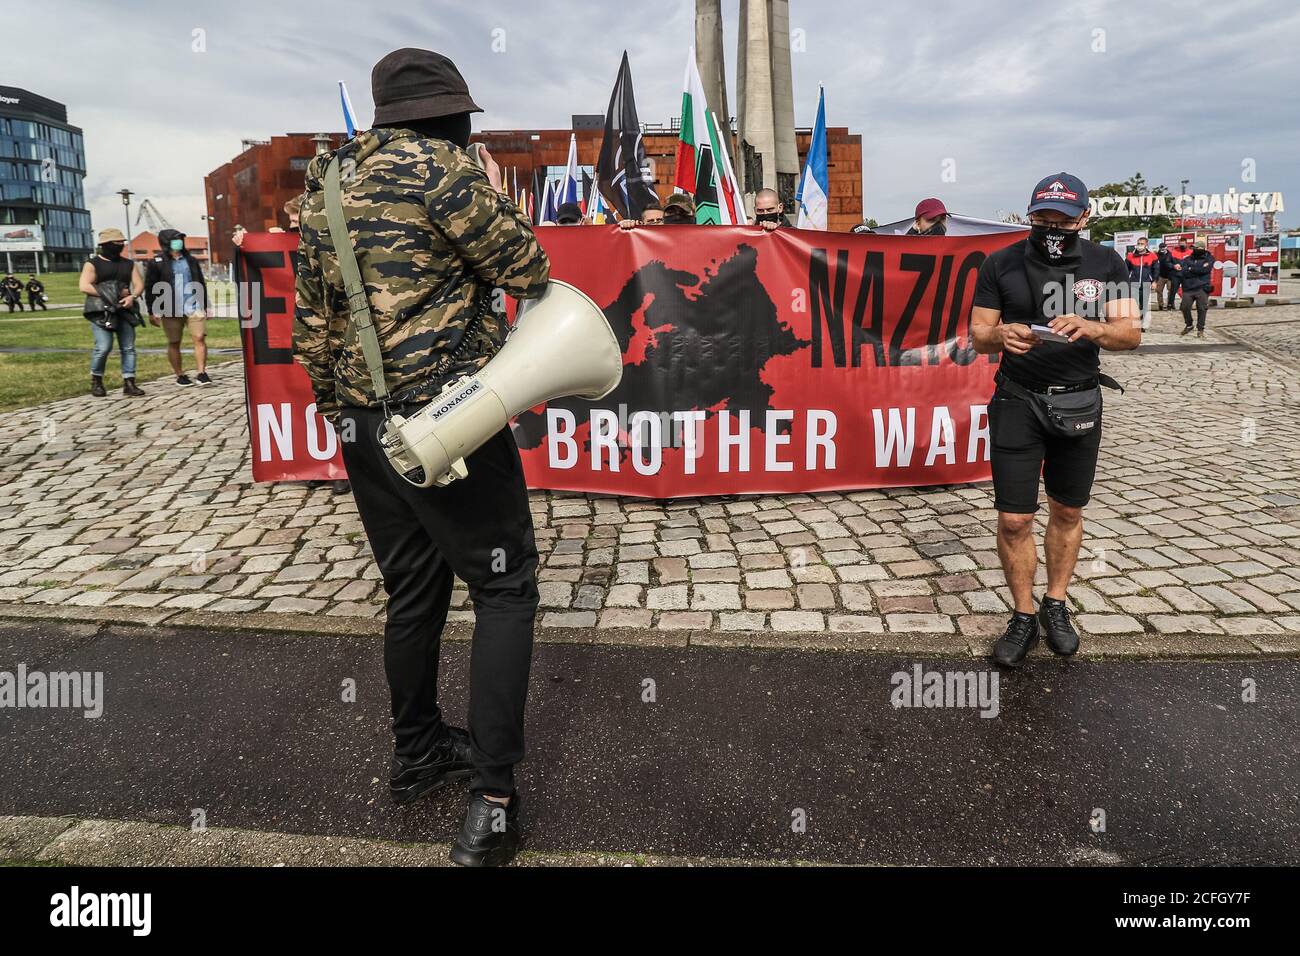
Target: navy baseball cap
{"type": "Point", "coordinates": [1061, 192]}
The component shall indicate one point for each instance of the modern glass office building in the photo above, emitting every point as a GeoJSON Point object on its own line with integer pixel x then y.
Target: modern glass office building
{"type": "Point", "coordinates": [42, 165]}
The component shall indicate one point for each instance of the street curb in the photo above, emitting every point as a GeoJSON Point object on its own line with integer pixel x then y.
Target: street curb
{"type": "Point", "coordinates": [64, 841]}
{"type": "Point", "coordinates": [1178, 647]}
{"type": "Point", "coordinates": [1254, 346]}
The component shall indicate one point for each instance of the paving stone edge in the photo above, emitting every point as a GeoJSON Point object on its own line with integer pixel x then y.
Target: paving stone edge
{"type": "Point", "coordinates": [1129, 646]}
{"type": "Point", "coordinates": [67, 841]}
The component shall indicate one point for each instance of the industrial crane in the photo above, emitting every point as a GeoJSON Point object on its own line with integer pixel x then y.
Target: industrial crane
{"type": "Point", "coordinates": [149, 212]}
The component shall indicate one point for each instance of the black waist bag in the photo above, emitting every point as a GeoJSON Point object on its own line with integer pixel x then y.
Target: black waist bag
{"type": "Point", "coordinates": [1065, 414]}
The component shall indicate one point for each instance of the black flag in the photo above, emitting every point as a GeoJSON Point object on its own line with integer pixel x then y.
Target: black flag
{"type": "Point", "coordinates": [621, 169]}
{"type": "Point", "coordinates": [538, 193]}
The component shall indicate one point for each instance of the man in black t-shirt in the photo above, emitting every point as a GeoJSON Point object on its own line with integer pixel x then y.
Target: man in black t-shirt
{"type": "Point", "coordinates": [1049, 303]}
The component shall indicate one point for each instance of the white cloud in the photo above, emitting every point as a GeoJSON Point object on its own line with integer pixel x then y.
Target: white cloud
{"type": "Point", "coordinates": [1009, 91]}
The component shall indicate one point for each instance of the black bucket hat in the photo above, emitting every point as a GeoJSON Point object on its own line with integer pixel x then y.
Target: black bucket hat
{"type": "Point", "coordinates": [411, 84]}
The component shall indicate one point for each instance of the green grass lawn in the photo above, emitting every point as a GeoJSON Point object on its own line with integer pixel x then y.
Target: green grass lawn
{"type": "Point", "coordinates": [72, 331]}
{"type": "Point", "coordinates": [59, 286]}
{"type": "Point", "coordinates": [36, 377]}
{"type": "Point", "coordinates": [62, 289]}
{"type": "Point", "coordinates": [33, 378]}
{"type": "Point", "coordinates": [28, 380]}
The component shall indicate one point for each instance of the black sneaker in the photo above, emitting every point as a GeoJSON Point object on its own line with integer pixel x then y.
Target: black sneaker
{"type": "Point", "coordinates": [1185, 330]}
{"type": "Point", "coordinates": [184, 381]}
{"type": "Point", "coordinates": [203, 378]}
{"type": "Point", "coordinates": [1017, 640]}
{"type": "Point", "coordinates": [447, 760]}
{"type": "Point", "coordinates": [490, 834]}
{"type": "Point", "coordinates": [1061, 636]}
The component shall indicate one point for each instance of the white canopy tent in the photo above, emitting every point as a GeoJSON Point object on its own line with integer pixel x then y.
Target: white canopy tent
{"type": "Point", "coordinates": [957, 226]}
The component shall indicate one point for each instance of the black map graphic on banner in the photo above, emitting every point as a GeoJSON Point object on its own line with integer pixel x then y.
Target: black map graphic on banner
{"type": "Point", "coordinates": [711, 341]}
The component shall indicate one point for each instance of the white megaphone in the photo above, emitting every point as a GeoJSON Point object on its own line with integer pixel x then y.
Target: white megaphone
{"type": "Point", "coordinates": [561, 345]}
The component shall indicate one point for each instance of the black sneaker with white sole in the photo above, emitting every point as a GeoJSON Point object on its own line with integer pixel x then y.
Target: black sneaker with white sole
{"type": "Point", "coordinates": [184, 381]}
{"type": "Point", "coordinates": [203, 379]}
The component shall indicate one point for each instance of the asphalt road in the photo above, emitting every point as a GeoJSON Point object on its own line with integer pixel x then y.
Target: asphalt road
{"type": "Point", "coordinates": [737, 746]}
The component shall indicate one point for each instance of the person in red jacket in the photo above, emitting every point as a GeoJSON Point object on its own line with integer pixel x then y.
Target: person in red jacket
{"type": "Point", "coordinates": [1143, 269]}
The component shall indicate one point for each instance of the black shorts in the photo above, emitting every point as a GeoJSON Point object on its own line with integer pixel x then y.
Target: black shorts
{"type": "Point", "coordinates": [1022, 449]}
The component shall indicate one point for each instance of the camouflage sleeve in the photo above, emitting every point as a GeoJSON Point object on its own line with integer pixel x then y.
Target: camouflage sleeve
{"type": "Point", "coordinates": [311, 328]}
{"type": "Point", "coordinates": [489, 232]}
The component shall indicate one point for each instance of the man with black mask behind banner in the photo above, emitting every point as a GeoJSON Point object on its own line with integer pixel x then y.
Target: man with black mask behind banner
{"type": "Point", "coordinates": [1049, 303]}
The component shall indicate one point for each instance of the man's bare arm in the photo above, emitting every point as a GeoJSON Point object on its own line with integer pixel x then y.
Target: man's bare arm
{"type": "Point", "coordinates": [990, 334]}
{"type": "Point", "coordinates": [1121, 331]}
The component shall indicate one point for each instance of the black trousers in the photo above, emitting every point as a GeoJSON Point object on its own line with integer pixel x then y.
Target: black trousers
{"type": "Point", "coordinates": [1202, 302]}
{"type": "Point", "coordinates": [34, 301]}
{"type": "Point", "coordinates": [480, 529]}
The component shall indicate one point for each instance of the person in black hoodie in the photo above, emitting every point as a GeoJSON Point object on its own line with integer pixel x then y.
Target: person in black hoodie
{"type": "Point", "coordinates": [1197, 273]}
{"type": "Point", "coordinates": [176, 296]}
{"type": "Point", "coordinates": [1162, 276]}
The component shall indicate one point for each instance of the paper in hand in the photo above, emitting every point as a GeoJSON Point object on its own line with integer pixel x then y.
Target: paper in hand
{"type": "Point", "coordinates": [1047, 335]}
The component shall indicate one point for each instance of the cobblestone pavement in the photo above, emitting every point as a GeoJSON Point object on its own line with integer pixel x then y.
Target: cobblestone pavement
{"type": "Point", "coordinates": [1194, 526]}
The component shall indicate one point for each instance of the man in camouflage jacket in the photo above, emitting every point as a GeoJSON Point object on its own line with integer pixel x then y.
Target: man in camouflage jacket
{"type": "Point", "coordinates": [433, 235]}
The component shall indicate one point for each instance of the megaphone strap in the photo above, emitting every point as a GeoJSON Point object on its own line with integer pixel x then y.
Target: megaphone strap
{"type": "Point", "coordinates": [358, 304]}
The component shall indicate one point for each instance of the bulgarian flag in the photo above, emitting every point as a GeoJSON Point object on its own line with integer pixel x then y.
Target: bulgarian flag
{"type": "Point", "coordinates": [697, 148]}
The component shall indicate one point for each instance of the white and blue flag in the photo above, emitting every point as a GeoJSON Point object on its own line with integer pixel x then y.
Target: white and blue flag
{"type": "Point", "coordinates": [568, 191]}
{"type": "Point", "coordinates": [815, 184]}
{"type": "Point", "coordinates": [349, 117]}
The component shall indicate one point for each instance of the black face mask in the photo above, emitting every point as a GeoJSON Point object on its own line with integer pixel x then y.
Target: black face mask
{"type": "Point", "coordinates": [677, 219]}
{"type": "Point", "coordinates": [454, 128]}
{"type": "Point", "coordinates": [1053, 241]}
{"type": "Point", "coordinates": [112, 250]}
{"type": "Point", "coordinates": [767, 217]}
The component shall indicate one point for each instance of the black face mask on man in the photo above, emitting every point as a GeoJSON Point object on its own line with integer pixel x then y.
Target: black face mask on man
{"type": "Point", "coordinates": [112, 250]}
{"type": "Point", "coordinates": [454, 128]}
{"type": "Point", "coordinates": [675, 218]}
{"type": "Point", "coordinates": [767, 217]}
{"type": "Point", "coordinates": [1053, 241]}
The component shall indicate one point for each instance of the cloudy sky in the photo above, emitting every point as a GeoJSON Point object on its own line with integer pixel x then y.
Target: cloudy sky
{"type": "Point", "coordinates": [1005, 91]}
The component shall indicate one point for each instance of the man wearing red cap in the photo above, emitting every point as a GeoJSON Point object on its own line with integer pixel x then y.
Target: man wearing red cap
{"type": "Point", "coordinates": [931, 219]}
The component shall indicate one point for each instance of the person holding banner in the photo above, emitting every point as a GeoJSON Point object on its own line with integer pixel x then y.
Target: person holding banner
{"type": "Point", "coordinates": [930, 219]}
{"type": "Point", "coordinates": [769, 211]}
{"type": "Point", "coordinates": [1049, 304]}
{"type": "Point", "coordinates": [430, 236]}
{"type": "Point", "coordinates": [651, 215]}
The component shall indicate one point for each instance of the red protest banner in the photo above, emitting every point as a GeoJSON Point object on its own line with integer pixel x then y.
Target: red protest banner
{"type": "Point", "coordinates": [289, 440]}
{"type": "Point", "coordinates": [771, 362]}
{"type": "Point", "coordinates": [753, 362]}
